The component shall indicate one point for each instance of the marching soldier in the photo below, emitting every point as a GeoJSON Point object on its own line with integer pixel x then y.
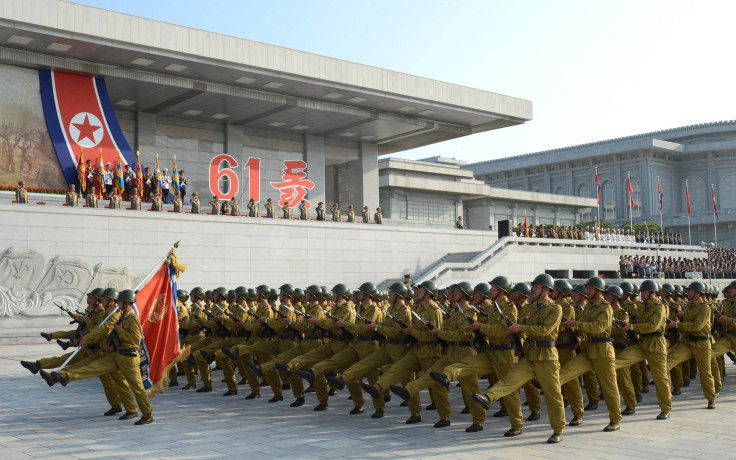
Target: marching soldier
{"type": "Point", "coordinates": [621, 341]}
{"type": "Point", "coordinates": [596, 351]}
{"type": "Point", "coordinates": [695, 322]}
{"type": "Point", "coordinates": [652, 345]}
{"type": "Point", "coordinates": [540, 358]}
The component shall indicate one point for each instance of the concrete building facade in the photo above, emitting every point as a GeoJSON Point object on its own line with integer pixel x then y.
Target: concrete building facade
{"type": "Point", "coordinates": [703, 156]}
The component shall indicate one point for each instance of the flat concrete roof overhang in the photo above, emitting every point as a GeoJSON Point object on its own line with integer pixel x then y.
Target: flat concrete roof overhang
{"type": "Point", "coordinates": [165, 69]}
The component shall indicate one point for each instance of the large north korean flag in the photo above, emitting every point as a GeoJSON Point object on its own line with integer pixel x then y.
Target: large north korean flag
{"type": "Point", "coordinates": [79, 115]}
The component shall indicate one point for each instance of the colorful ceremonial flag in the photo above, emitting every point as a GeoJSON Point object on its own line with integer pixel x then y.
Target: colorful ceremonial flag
{"type": "Point", "coordinates": [687, 195]}
{"type": "Point", "coordinates": [157, 310]}
{"type": "Point", "coordinates": [175, 178]}
{"type": "Point", "coordinates": [526, 226]}
{"type": "Point", "coordinates": [82, 171]}
{"type": "Point", "coordinates": [139, 174]}
{"type": "Point", "coordinates": [631, 193]}
{"type": "Point", "coordinates": [715, 207]}
{"type": "Point", "coordinates": [661, 195]}
{"type": "Point", "coordinates": [646, 232]}
{"type": "Point", "coordinates": [119, 179]}
{"type": "Point", "coordinates": [597, 233]}
{"type": "Point", "coordinates": [101, 176]}
{"type": "Point", "coordinates": [158, 175]}
{"type": "Point", "coordinates": [598, 185]}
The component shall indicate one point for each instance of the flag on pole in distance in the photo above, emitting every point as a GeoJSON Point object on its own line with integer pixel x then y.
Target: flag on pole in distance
{"type": "Point", "coordinates": [715, 207]}
{"type": "Point", "coordinates": [646, 232]}
{"type": "Point", "coordinates": [631, 193]}
{"type": "Point", "coordinates": [661, 196]}
{"type": "Point", "coordinates": [687, 195]}
{"type": "Point", "coordinates": [598, 185]}
{"type": "Point", "coordinates": [119, 179]}
{"type": "Point", "coordinates": [100, 177]}
{"type": "Point", "coordinates": [175, 178]}
{"type": "Point", "coordinates": [139, 174]}
{"type": "Point", "coordinates": [82, 172]}
{"type": "Point", "coordinates": [156, 306]}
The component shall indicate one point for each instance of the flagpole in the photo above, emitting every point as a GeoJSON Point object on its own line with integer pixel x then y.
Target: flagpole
{"type": "Point", "coordinates": [715, 232]}
{"type": "Point", "coordinates": [158, 264]}
{"type": "Point", "coordinates": [598, 193]}
{"type": "Point", "coordinates": [631, 204]}
{"type": "Point", "coordinates": [661, 227]}
{"type": "Point", "coordinates": [689, 235]}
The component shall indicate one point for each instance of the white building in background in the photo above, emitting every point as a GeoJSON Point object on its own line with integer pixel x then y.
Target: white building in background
{"type": "Point", "coordinates": [701, 155]}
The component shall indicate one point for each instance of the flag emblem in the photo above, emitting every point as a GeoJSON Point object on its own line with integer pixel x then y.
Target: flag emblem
{"type": "Point", "coordinates": [86, 130]}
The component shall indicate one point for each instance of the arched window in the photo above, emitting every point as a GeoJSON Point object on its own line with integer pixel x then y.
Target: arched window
{"type": "Point", "coordinates": [561, 190]}
{"type": "Point", "coordinates": [636, 186]}
{"type": "Point", "coordinates": [608, 200]}
{"type": "Point", "coordinates": [583, 191]}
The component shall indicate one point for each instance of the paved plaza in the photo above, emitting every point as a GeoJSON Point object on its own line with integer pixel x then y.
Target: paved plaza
{"type": "Point", "coordinates": [58, 422]}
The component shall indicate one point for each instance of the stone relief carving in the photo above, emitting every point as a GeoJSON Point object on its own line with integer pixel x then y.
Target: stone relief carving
{"type": "Point", "coordinates": [31, 285]}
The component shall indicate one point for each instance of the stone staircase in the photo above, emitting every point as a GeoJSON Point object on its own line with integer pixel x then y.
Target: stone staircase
{"type": "Point", "coordinates": [454, 257]}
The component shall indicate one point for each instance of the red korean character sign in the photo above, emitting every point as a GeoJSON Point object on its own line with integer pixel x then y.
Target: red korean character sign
{"type": "Point", "coordinates": [294, 183]}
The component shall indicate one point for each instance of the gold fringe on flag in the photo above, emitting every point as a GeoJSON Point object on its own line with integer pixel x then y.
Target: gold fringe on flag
{"type": "Point", "coordinates": [158, 387]}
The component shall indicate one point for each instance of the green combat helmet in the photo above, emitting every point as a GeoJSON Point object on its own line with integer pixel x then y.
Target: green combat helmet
{"type": "Point", "coordinates": [502, 283]}
{"type": "Point", "coordinates": [564, 287]}
{"type": "Point", "coordinates": [263, 290]}
{"type": "Point", "coordinates": [208, 294]}
{"type": "Point", "coordinates": [615, 290]}
{"type": "Point", "coordinates": [597, 282]}
{"type": "Point", "coordinates": [669, 288]}
{"type": "Point", "coordinates": [399, 289]}
{"type": "Point", "coordinates": [679, 290]}
{"type": "Point", "coordinates": [252, 294]}
{"type": "Point", "coordinates": [483, 289]}
{"type": "Point", "coordinates": [522, 288]}
{"type": "Point", "coordinates": [341, 289]}
{"type": "Point", "coordinates": [287, 289]}
{"type": "Point", "coordinates": [198, 292]}
{"type": "Point", "coordinates": [299, 294]}
{"type": "Point", "coordinates": [222, 291]}
{"type": "Point", "coordinates": [545, 280]}
{"type": "Point", "coordinates": [430, 287]}
{"type": "Point", "coordinates": [126, 296]}
{"type": "Point", "coordinates": [180, 294]}
{"type": "Point", "coordinates": [466, 288]}
{"type": "Point", "coordinates": [274, 294]}
{"type": "Point", "coordinates": [649, 285]}
{"type": "Point", "coordinates": [326, 294]}
{"type": "Point", "coordinates": [696, 286]}
{"type": "Point", "coordinates": [97, 293]}
{"type": "Point", "coordinates": [110, 293]}
{"type": "Point", "coordinates": [627, 287]}
{"type": "Point", "coordinates": [369, 289]}
{"type": "Point", "coordinates": [242, 292]}
{"type": "Point", "coordinates": [581, 289]}
{"type": "Point", "coordinates": [315, 290]}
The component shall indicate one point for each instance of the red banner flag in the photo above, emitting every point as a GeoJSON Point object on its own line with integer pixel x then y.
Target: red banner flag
{"type": "Point", "coordinates": [598, 185]}
{"type": "Point", "coordinates": [687, 195]}
{"type": "Point", "coordinates": [157, 310]}
{"type": "Point", "coordinates": [715, 207]}
{"type": "Point", "coordinates": [631, 193]}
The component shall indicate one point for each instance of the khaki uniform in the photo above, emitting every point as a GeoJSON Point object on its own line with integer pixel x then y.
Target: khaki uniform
{"type": "Point", "coordinates": [270, 211]}
{"type": "Point", "coordinates": [196, 205]}
{"type": "Point", "coordinates": [216, 207]}
{"type": "Point", "coordinates": [91, 200]}
{"type": "Point", "coordinates": [114, 202]}
{"type": "Point", "coordinates": [335, 214]}
{"type": "Point", "coordinates": [391, 351]}
{"type": "Point", "coordinates": [366, 217]}
{"type": "Point", "coordinates": [234, 208]}
{"type": "Point", "coordinates": [287, 212]}
{"type": "Point", "coordinates": [378, 218]}
{"type": "Point", "coordinates": [456, 332]}
{"type": "Point", "coordinates": [72, 199]}
{"type": "Point", "coordinates": [351, 216]}
{"type": "Point", "coordinates": [623, 374]}
{"type": "Point", "coordinates": [135, 203]}
{"type": "Point", "coordinates": [532, 393]}
{"type": "Point", "coordinates": [652, 347]}
{"type": "Point", "coordinates": [498, 358]}
{"type": "Point", "coordinates": [419, 359]}
{"type": "Point", "coordinates": [124, 359]}
{"type": "Point", "coordinates": [596, 353]}
{"type": "Point", "coordinates": [303, 212]}
{"type": "Point", "coordinates": [571, 390]}
{"type": "Point", "coordinates": [252, 209]}
{"type": "Point", "coordinates": [696, 343]}
{"type": "Point", "coordinates": [540, 360]}
{"type": "Point", "coordinates": [21, 195]}
{"type": "Point", "coordinates": [178, 206]}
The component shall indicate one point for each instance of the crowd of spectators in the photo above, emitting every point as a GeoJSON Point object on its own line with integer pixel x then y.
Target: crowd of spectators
{"type": "Point", "coordinates": [722, 265]}
{"type": "Point", "coordinates": [619, 235]}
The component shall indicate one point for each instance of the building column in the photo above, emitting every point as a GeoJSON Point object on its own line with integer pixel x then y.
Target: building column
{"type": "Point", "coordinates": [145, 133]}
{"type": "Point", "coordinates": [234, 141]}
{"type": "Point", "coordinates": [369, 172]}
{"type": "Point", "coordinates": [314, 156]}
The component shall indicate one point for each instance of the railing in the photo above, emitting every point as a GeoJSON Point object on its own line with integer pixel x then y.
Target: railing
{"type": "Point", "coordinates": [485, 256]}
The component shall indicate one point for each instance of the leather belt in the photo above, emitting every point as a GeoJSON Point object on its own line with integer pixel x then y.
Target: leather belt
{"type": "Point", "coordinates": [563, 346]}
{"type": "Point", "coordinates": [698, 338]}
{"type": "Point", "coordinates": [396, 341]}
{"type": "Point", "coordinates": [427, 343]}
{"type": "Point", "coordinates": [620, 346]}
{"type": "Point", "coordinates": [507, 346]}
{"type": "Point", "coordinates": [601, 339]}
{"type": "Point", "coordinates": [312, 337]}
{"type": "Point", "coordinates": [459, 344]}
{"type": "Point", "coordinates": [541, 343]}
{"type": "Point", "coordinates": [129, 352]}
{"type": "Point", "coordinates": [365, 338]}
{"type": "Point", "coordinates": [653, 334]}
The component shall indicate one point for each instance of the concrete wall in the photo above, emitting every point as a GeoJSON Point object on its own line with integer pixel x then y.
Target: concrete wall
{"type": "Point", "coordinates": [231, 251]}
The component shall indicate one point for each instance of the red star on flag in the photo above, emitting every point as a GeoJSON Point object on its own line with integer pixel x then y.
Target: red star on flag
{"type": "Point", "coordinates": [86, 130]}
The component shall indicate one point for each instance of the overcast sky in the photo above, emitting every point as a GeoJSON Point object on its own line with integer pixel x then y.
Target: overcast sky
{"type": "Point", "coordinates": [594, 70]}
